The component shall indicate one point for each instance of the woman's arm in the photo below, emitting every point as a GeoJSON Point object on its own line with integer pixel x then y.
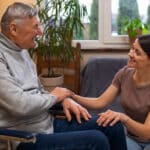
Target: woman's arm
{"type": "Point", "coordinates": [139, 129]}
{"type": "Point", "coordinates": [97, 103]}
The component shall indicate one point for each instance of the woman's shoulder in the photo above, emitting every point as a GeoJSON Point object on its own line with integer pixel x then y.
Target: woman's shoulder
{"type": "Point", "coordinates": [126, 70]}
{"type": "Point", "coordinates": [123, 75]}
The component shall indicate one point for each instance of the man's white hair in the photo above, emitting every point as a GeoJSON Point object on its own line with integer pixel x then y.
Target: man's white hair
{"type": "Point", "coordinates": [4, 4]}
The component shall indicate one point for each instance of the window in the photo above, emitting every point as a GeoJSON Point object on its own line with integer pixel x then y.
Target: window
{"type": "Point", "coordinates": [102, 26]}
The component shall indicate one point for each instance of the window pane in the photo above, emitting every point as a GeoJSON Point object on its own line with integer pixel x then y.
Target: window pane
{"type": "Point", "coordinates": [90, 31]}
{"type": "Point", "coordinates": [123, 9]}
{"type": "Point", "coordinates": [90, 22]}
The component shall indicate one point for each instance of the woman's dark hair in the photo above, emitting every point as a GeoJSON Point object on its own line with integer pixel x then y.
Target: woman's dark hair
{"type": "Point", "coordinates": [144, 41]}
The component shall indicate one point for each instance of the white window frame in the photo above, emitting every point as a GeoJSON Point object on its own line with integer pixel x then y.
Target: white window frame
{"type": "Point", "coordinates": [106, 40]}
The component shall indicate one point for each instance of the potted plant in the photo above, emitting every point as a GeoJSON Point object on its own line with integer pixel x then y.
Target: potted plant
{"type": "Point", "coordinates": [61, 19]}
{"type": "Point", "coordinates": [134, 28]}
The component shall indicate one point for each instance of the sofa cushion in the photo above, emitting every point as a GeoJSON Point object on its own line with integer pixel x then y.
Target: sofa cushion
{"type": "Point", "coordinates": [97, 75]}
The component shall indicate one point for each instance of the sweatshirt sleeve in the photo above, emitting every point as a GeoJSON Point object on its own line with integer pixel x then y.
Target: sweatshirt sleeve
{"type": "Point", "coordinates": [19, 101]}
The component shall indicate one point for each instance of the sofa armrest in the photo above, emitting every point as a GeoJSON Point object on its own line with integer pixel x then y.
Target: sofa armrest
{"type": "Point", "coordinates": [14, 135]}
{"type": "Point", "coordinates": [57, 110]}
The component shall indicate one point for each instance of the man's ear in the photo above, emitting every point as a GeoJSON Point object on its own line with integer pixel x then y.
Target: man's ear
{"type": "Point", "coordinates": [13, 28]}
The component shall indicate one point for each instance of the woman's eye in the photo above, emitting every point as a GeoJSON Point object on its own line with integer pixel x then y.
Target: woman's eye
{"type": "Point", "coordinates": [137, 52]}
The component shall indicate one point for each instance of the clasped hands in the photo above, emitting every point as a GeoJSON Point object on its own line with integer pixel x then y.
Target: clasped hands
{"type": "Point", "coordinates": [69, 105]}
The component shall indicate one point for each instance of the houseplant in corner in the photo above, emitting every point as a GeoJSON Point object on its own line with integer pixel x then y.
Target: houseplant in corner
{"type": "Point", "coordinates": [61, 19]}
{"type": "Point", "coordinates": [134, 28]}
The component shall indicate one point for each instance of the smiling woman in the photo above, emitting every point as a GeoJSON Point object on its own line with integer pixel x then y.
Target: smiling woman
{"type": "Point", "coordinates": [130, 83]}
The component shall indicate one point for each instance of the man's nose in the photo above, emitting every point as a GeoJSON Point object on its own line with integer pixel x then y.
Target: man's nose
{"type": "Point", "coordinates": [40, 30]}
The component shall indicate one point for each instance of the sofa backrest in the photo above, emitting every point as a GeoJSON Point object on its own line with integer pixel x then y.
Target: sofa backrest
{"type": "Point", "coordinates": [97, 75]}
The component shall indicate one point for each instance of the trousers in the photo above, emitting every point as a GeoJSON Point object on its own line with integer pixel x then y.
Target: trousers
{"type": "Point", "coordinates": [74, 136]}
{"type": "Point", "coordinates": [133, 144]}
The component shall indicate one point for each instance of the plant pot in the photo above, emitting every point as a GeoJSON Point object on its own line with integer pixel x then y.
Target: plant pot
{"type": "Point", "coordinates": [50, 83]}
{"type": "Point", "coordinates": [132, 38]}
{"type": "Point", "coordinates": [131, 41]}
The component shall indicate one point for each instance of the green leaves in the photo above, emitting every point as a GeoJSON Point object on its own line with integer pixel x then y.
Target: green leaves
{"type": "Point", "coordinates": [135, 27]}
{"type": "Point", "coordinates": [61, 19]}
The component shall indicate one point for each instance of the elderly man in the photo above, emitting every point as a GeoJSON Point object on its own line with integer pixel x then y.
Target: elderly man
{"type": "Point", "coordinates": [24, 104]}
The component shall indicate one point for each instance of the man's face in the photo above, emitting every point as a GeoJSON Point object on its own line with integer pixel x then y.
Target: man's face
{"type": "Point", "coordinates": [24, 34]}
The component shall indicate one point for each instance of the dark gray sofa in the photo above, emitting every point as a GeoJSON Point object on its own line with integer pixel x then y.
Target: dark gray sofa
{"type": "Point", "coordinates": [97, 76]}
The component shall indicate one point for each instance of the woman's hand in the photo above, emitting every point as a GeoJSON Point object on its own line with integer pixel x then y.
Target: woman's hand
{"type": "Point", "coordinates": [61, 93]}
{"type": "Point", "coordinates": [71, 107]}
{"type": "Point", "coordinates": [110, 117]}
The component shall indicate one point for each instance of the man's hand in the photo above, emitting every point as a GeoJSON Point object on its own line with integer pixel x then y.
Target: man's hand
{"type": "Point", "coordinates": [61, 93]}
{"type": "Point", "coordinates": [71, 106]}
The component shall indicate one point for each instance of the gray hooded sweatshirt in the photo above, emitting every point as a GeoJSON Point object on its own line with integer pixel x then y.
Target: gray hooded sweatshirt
{"type": "Point", "coordinates": [24, 105]}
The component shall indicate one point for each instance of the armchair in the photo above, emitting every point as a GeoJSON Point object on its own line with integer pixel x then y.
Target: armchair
{"type": "Point", "coordinates": [8, 135]}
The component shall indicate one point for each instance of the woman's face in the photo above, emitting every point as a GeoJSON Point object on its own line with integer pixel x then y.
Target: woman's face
{"type": "Point", "coordinates": [137, 57]}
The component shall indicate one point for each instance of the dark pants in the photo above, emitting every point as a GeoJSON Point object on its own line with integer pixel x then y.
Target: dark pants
{"type": "Point", "coordinates": [74, 136]}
